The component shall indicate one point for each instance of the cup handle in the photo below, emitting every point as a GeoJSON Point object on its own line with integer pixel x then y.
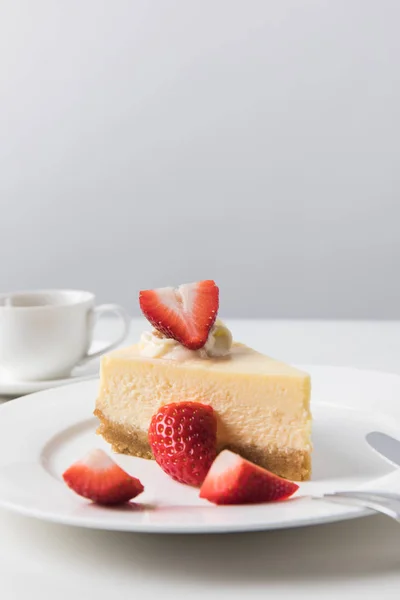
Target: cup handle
{"type": "Point", "coordinates": [98, 311]}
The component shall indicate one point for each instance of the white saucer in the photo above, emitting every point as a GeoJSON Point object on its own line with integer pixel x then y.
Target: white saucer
{"type": "Point", "coordinates": [41, 435]}
{"type": "Point", "coordinates": [13, 388]}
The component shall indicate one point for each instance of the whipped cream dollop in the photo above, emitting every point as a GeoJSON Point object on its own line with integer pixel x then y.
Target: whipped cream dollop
{"type": "Point", "coordinates": [154, 345]}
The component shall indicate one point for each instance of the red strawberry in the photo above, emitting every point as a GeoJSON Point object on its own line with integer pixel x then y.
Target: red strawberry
{"type": "Point", "coordinates": [185, 314]}
{"type": "Point", "coordinates": [183, 437]}
{"type": "Point", "coordinates": [100, 479]}
{"type": "Point", "coordinates": [234, 480]}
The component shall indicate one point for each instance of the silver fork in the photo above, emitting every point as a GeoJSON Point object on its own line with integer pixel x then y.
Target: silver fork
{"type": "Point", "coordinates": [386, 503]}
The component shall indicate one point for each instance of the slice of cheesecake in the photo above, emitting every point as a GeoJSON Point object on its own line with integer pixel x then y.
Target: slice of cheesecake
{"type": "Point", "coordinates": [262, 405]}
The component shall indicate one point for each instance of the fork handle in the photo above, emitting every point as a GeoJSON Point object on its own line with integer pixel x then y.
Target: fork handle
{"type": "Point", "coordinates": [370, 503]}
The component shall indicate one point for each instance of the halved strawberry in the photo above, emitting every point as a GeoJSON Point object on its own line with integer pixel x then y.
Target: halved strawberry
{"type": "Point", "coordinates": [234, 480]}
{"type": "Point", "coordinates": [98, 478]}
{"type": "Point", "coordinates": [185, 314]}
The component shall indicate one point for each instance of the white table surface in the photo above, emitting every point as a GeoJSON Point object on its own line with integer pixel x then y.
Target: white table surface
{"type": "Point", "coordinates": [359, 558]}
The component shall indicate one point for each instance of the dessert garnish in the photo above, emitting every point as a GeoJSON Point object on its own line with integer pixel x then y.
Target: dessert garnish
{"type": "Point", "coordinates": [98, 478]}
{"type": "Point", "coordinates": [234, 480]}
{"type": "Point", "coordinates": [183, 438]}
{"type": "Point", "coordinates": [185, 314]}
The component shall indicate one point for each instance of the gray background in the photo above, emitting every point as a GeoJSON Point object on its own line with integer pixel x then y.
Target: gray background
{"type": "Point", "coordinates": [152, 142]}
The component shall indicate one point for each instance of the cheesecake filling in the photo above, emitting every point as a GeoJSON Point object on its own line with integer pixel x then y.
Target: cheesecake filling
{"type": "Point", "coordinates": [154, 345]}
{"type": "Point", "coordinates": [252, 410]}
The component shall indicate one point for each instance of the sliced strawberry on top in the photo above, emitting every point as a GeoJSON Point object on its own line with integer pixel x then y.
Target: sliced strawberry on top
{"type": "Point", "coordinates": [98, 478]}
{"type": "Point", "coordinates": [185, 314]}
{"type": "Point", "coordinates": [234, 480]}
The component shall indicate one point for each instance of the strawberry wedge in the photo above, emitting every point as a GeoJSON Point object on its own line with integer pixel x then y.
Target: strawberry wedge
{"type": "Point", "coordinates": [98, 478]}
{"type": "Point", "coordinates": [234, 480]}
{"type": "Point", "coordinates": [185, 314]}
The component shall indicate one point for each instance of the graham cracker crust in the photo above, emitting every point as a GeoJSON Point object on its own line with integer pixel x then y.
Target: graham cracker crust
{"type": "Point", "coordinates": [123, 440]}
{"type": "Point", "coordinates": [291, 464]}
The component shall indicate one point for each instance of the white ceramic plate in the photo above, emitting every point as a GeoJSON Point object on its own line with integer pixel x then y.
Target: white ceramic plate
{"type": "Point", "coordinates": [20, 388]}
{"type": "Point", "coordinates": [42, 434]}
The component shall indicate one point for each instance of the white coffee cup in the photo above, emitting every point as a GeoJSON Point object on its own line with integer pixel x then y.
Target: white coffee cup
{"type": "Point", "coordinates": [45, 334]}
